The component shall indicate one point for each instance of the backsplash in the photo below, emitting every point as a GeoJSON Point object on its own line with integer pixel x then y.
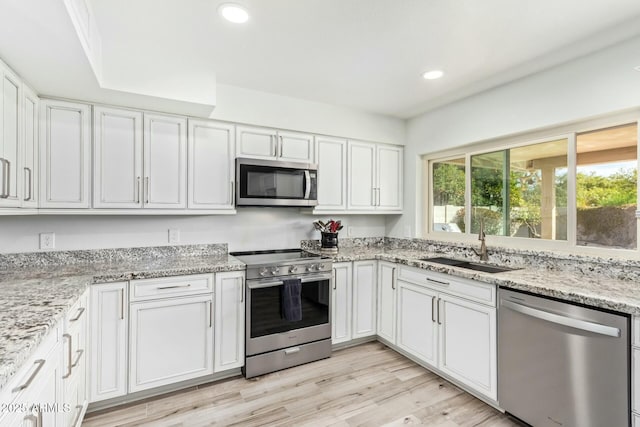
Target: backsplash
{"type": "Point", "coordinates": [49, 259]}
{"type": "Point", "coordinates": [357, 242]}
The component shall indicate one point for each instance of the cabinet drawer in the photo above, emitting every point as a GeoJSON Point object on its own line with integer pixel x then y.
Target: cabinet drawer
{"type": "Point", "coordinates": [470, 289]}
{"type": "Point", "coordinates": [171, 287]}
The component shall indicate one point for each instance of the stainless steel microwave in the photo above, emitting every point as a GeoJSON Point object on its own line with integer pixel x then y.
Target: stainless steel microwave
{"type": "Point", "coordinates": [275, 183]}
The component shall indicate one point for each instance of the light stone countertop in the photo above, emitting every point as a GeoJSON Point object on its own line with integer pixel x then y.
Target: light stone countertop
{"type": "Point", "coordinates": [34, 300]}
{"type": "Point", "coordinates": [583, 287]}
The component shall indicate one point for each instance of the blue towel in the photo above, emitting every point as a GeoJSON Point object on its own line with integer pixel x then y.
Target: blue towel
{"type": "Point", "coordinates": [291, 300]}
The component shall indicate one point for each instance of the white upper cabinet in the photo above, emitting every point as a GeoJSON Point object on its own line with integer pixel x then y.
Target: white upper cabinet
{"type": "Point", "coordinates": [165, 161]}
{"type": "Point", "coordinates": [30, 171]}
{"type": "Point", "coordinates": [389, 175]}
{"type": "Point", "coordinates": [264, 143]}
{"type": "Point", "coordinates": [375, 177]}
{"type": "Point", "coordinates": [331, 156]}
{"type": "Point", "coordinates": [211, 168]}
{"type": "Point", "coordinates": [117, 167]}
{"type": "Point", "coordinates": [10, 138]}
{"type": "Point", "coordinates": [65, 160]}
{"type": "Point", "coordinates": [362, 179]}
{"type": "Point", "coordinates": [295, 147]}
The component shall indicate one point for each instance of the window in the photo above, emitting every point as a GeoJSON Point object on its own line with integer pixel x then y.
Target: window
{"type": "Point", "coordinates": [532, 191]}
{"type": "Point", "coordinates": [606, 187]}
{"type": "Point", "coordinates": [448, 177]}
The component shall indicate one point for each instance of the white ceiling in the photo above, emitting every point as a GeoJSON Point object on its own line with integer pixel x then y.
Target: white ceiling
{"type": "Point", "coordinates": [365, 54]}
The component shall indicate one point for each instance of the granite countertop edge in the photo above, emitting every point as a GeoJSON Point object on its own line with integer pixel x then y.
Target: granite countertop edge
{"type": "Point", "coordinates": [40, 326]}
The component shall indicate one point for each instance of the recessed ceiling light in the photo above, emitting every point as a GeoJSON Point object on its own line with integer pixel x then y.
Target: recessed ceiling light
{"type": "Point", "coordinates": [433, 74]}
{"type": "Point", "coordinates": [234, 13]}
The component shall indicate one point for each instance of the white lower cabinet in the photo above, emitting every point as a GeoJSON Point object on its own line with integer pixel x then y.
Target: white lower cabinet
{"type": "Point", "coordinates": [171, 340]}
{"type": "Point", "coordinates": [468, 343]}
{"type": "Point", "coordinates": [635, 371]}
{"type": "Point", "coordinates": [445, 326]}
{"type": "Point", "coordinates": [74, 375]}
{"type": "Point", "coordinates": [387, 301]}
{"type": "Point", "coordinates": [341, 303]}
{"type": "Point", "coordinates": [417, 328]}
{"type": "Point", "coordinates": [364, 299]}
{"type": "Point", "coordinates": [108, 341]}
{"type": "Point", "coordinates": [229, 321]}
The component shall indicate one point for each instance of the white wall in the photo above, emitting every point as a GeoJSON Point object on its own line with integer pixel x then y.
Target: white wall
{"type": "Point", "coordinates": [250, 229]}
{"type": "Point", "coordinates": [590, 86]}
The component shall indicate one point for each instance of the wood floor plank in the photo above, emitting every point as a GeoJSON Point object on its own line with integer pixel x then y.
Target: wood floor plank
{"type": "Point", "coordinates": [366, 385]}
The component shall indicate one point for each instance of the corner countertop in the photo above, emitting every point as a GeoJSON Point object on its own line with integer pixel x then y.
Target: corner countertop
{"type": "Point", "coordinates": [589, 288]}
{"type": "Point", "coordinates": [33, 301]}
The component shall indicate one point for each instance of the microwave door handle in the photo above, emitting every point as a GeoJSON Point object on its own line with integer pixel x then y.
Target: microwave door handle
{"type": "Point", "coordinates": [307, 184]}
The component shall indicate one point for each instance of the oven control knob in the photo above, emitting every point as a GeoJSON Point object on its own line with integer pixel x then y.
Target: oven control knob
{"type": "Point", "coordinates": [293, 269]}
{"type": "Point", "coordinates": [275, 271]}
{"type": "Point", "coordinates": [263, 271]}
{"type": "Point", "coordinates": [312, 267]}
{"type": "Point", "coordinates": [321, 267]}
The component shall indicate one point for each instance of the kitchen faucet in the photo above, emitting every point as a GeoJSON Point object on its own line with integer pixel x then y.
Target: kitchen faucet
{"type": "Point", "coordinates": [484, 256]}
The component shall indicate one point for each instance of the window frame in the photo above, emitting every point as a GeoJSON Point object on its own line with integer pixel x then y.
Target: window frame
{"type": "Point", "coordinates": [567, 131]}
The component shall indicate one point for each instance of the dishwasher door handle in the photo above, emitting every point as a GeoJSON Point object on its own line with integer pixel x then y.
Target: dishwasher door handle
{"type": "Point", "coordinates": [562, 320]}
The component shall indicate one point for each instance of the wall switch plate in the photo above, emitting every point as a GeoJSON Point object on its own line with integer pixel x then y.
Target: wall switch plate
{"type": "Point", "coordinates": [174, 235]}
{"type": "Point", "coordinates": [407, 231]}
{"type": "Point", "coordinates": [47, 241]}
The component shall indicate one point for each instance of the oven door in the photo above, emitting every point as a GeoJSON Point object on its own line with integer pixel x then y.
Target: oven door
{"type": "Point", "coordinates": [267, 329]}
{"type": "Point", "coordinates": [271, 183]}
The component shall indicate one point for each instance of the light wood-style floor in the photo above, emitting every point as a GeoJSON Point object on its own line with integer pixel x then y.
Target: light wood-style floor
{"type": "Point", "coordinates": [367, 385]}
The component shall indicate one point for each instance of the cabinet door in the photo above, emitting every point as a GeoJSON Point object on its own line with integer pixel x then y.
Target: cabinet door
{"type": "Point", "coordinates": [229, 320]}
{"type": "Point", "coordinates": [64, 154]}
{"type": "Point", "coordinates": [10, 179]}
{"type": "Point", "coordinates": [468, 329]}
{"type": "Point", "coordinates": [256, 142]}
{"type": "Point", "coordinates": [108, 337]}
{"type": "Point", "coordinates": [30, 148]}
{"type": "Point", "coordinates": [387, 301]}
{"type": "Point", "coordinates": [364, 299]}
{"type": "Point", "coordinates": [75, 363]}
{"type": "Point", "coordinates": [417, 323]}
{"type": "Point", "coordinates": [635, 379]}
{"type": "Point", "coordinates": [165, 161]}
{"type": "Point", "coordinates": [171, 341]}
{"type": "Point", "coordinates": [211, 165]}
{"type": "Point", "coordinates": [341, 303]}
{"type": "Point", "coordinates": [331, 156]}
{"type": "Point", "coordinates": [389, 168]}
{"type": "Point", "coordinates": [44, 393]}
{"type": "Point", "coordinates": [117, 158]}
{"type": "Point", "coordinates": [361, 177]}
{"type": "Point", "coordinates": [295, 147]}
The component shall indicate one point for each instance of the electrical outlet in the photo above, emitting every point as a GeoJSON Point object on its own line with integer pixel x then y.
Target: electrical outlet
{"type": "Point", "coordinates": [174, 235]}
{"type": "Point", "coordinates": [47, 241]}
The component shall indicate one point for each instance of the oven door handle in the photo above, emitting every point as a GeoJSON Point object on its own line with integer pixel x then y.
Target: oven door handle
{"type": "Point", "coordinates": [260, 285]}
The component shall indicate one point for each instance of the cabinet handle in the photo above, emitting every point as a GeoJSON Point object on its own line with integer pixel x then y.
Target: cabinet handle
{"type": "Point", "coordinates": [69, 355]}
{"type": "Point", "coordinates": [121, 292]}
{"type": "Point", "coordinates": [210, 312]}
{"type": "Point", "coordinates": [378, 198]}
{"type": "Point", "coordinates": [433, 309]}
{"type": "Point", "coordinates": [5, 178]}
{"type": "Point", "coordinates": [242, 289]}
{"type": "Point", "coordinates": [174, 286]}
{"type": "Point", "coordinates": [40, 363]}
{"type": "Point", "coordinates": [138, 183]}
{"type": "Point", "coordinates": [334, 278]}
{"type": "Point", "coordinates": [77, 417]}
{"type": "Point", "coordinates": [78, 356]}
{"type": "Point", "coordinates": [274, 142]}
{"type": "Point", "coordinates": [33, 419]}
{"type": "Point", "coordinates": [439, 282]}
{"type": "Point", "coordinates": [393, 278]}
{"type": "Point", "coordinates": [146, 179]}
{"type": "Point", "coordinates": [232, 194]}
{"type": "Point", "coordinates": [373, 196]}
{"type": "Point", "coordinates": [439, 320]}
{"type": "Point", "coordinates": [280, 143]}
{"type": "Point", "coordinates": [78, 316]}
{"type": "Point", "coordinates": [26, 169]}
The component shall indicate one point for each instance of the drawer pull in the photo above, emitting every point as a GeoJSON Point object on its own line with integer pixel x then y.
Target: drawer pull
{"type": "Point", "coordinates": [174, 286]}
{"type": "Point", "coordinates": [80, 311]}
{"type": "Point", "coordinates": [433, 309]}
{"type": "Point", "coordinates": [77, 417]}
{"type": "Point", "coordinates": [69, 355]}
{"type": "Point", "coordinates": [292, 350]}
{"type": "Point", "coordinates": [439, 282]}
{"type": "Point", "coordinates": [40, 363]}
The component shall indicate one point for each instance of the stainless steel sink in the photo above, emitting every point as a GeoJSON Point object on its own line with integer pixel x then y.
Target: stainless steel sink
{"type": "Point", "coordinates": [468, 265]}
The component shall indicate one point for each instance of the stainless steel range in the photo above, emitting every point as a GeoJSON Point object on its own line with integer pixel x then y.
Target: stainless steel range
{"type": "Point", "coordinates": [279, 282]}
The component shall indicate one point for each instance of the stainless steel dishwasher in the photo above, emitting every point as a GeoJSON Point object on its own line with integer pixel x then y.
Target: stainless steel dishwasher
{"type": "Point", "coordinates": [561, 364]}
